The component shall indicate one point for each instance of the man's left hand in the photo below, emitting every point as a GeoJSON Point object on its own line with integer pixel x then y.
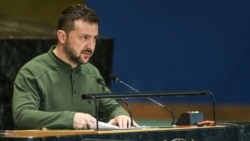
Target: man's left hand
{"type": "Point", "coordinates": [121, 121]}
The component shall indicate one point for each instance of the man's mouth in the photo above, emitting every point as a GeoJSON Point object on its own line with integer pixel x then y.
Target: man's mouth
{"type": "Point", "coordinates": [87, 52]}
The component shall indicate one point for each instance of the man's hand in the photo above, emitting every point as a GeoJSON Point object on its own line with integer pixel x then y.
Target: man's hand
{"type": "Point", "coordinates": [83, 121]}
{"type": "Point", "coordinates": [122, 121]}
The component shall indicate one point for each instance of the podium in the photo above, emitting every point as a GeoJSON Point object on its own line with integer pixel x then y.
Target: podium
{"type": "Point", "coordinates": [187, 133]}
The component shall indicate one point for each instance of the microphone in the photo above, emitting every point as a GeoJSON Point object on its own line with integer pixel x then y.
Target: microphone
{"type": "Point", "coordinates": [101, 82]}
{"type": "Point", "coordinates": [117, 80]}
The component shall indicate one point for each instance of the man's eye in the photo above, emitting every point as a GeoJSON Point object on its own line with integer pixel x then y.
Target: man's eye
{"type": "Point", "coordinates": [85, 37]}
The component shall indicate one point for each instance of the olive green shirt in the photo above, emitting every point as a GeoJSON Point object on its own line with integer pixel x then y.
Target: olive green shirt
{"type": "Point", "coordinates": [47, 93]}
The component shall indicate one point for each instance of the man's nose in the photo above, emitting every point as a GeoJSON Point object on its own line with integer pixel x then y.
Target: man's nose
{"type": "Point", "coordinates": [91, 43]}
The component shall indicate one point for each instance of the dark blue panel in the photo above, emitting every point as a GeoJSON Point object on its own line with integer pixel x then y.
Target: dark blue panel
{"type": "Point", "coordinates": [180, 45]}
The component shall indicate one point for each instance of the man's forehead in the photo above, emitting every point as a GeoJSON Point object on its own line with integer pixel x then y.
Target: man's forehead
{"type": "Point", "coordinates": [85, 27]}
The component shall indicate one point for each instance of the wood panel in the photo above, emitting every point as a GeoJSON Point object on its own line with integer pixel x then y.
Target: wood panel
{"type": "Point", "coordinates": [224, 112]}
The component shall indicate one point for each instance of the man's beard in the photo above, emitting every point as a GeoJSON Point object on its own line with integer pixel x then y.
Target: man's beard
{"type": "Point", "coordinates": [70, 54]}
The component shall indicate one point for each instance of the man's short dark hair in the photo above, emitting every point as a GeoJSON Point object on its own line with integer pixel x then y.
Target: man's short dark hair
{"type": "Point", "coordinates": [76, 12]}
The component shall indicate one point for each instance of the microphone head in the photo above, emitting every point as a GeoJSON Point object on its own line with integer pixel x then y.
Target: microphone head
{"type": "Point", "coordinates": [85, 96]}
{"type": "Point", "coordinates": [100, 81]}
{"type": "Point", "coordinates": [114, 78]}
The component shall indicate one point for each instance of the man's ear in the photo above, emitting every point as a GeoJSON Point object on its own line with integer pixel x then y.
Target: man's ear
{"type": "Point", "coordinates": [61, 35]}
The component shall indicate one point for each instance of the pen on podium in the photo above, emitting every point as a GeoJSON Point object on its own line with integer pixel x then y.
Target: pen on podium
{"type": "Point", "coordinates": [117, 80]}
{"type": "Point", "coordinates": [101, 82]}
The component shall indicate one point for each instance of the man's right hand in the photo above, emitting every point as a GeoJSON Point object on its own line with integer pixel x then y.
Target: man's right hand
{"type": "Point", "coordinates": [83, 121]}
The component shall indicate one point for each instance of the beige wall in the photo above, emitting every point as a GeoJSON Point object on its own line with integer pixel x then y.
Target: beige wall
{"type": "Point", "coordinates": [46, 11]}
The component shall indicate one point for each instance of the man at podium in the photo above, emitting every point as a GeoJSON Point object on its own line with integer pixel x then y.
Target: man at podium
{"type": "Point", "coordinates": [48, 89]}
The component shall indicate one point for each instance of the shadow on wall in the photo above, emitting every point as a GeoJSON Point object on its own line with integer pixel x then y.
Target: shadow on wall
{"type": "Point", "coordinates": [5, 107]}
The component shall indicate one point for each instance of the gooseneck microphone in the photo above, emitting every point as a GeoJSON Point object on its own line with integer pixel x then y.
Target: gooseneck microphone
{"type": "Point", "coordinates": [101, 82]}
{"type": "Point", "coordinates": [117, 80]}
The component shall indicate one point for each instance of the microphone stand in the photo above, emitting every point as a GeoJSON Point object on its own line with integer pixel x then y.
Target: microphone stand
{"type": "Point", "coordinates": [116, 79]}
{"type": "Point", "coordinates": [129, 111]}
{"type": "Point", "coordinates": [101, 81]}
